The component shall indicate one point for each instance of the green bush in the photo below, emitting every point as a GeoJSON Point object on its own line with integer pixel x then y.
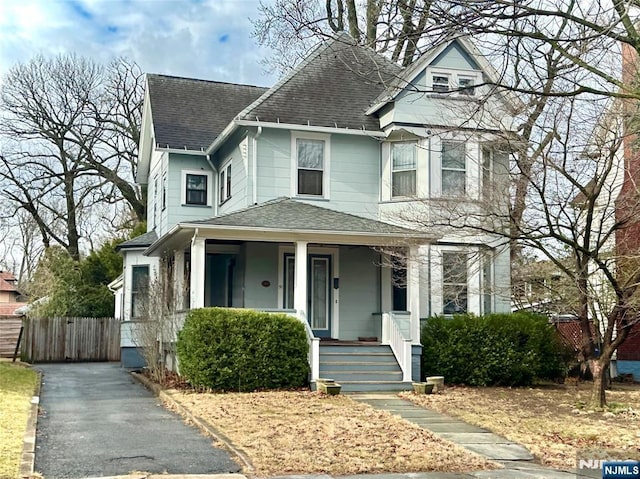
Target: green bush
{"type": "Point", "coordinates": [496, 349]}
{"type": "Point", "coordinates": [242, 350]}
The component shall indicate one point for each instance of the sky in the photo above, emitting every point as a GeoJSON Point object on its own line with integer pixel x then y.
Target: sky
{"type": "Point", "coordinates": [206, 39]}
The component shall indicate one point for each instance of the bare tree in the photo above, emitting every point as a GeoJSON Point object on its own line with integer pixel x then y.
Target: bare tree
{"type": "Point", "coordinates": [71, 129]}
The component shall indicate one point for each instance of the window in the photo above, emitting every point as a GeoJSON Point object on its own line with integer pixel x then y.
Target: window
{"type": "Point", "coordinates": [225, 183]}
{"type": "Point", "coordinates": [164, 191]}
{"type": "Point", "coordinates": [139, 286]}
{"type": "Point", "coordinates": [466, 86]}
{"type": "Point", "coordinates": [196, 189]}
{"type": "Point", "coordinates": [486, 173]}
{"type": "Point", "coordinates": [440, 83]}
{"type": "Point", "coordinates": [310, 158]}
{"type": "Point", "coordinates": [487, 284]}
{"type": "Point", "coordinates": [154, 219]}
{"type": "Point", "coordinates": [403, 169]}
{"type": "Point", "coordinates": [454, 283]}
{"type": "Point", "coordinates": [453, 168]}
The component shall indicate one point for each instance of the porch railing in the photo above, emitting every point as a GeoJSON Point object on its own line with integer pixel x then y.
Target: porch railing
{"type": "Point", "coordinates": [314, 342]}
{"type": "Point", "coordinates": [396, 332]}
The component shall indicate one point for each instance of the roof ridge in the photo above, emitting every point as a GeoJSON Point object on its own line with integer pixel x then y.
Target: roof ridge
{"type": "Point", "coordinates": [289, 76]}
{"type": "Point", "coordinates": [178, 77]}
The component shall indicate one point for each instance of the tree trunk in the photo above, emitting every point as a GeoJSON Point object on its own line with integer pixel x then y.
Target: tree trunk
{"type": "Point", "coordinates": [599, 368]}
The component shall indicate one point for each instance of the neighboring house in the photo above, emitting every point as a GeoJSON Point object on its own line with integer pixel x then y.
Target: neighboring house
{"type": "Point", "coordinates": [288, 198]}
{"type": "Point", "coordinates": [9, 295]}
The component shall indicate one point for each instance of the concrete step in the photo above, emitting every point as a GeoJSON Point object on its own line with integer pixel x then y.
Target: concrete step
{"type": "Point", "coordinates": [359, 365]}
{"type": "Point", "coordinates": [369, 386]}
{"type": "Point", "coordinates": [357, 375]}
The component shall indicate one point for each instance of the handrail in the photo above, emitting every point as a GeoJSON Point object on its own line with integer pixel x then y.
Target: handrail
{"type": "Point", "coordinates": [398, 336]}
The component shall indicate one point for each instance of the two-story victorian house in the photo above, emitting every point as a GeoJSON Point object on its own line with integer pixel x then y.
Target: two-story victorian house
{"type": "Point", "coordinates": [289, 198]}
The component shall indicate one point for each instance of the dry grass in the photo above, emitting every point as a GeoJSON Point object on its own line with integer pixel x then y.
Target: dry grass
{"type": "Point", "coordinates": [551, 421]}
{"type": "Point", "coordinates": [17, 384]}
{"type": "Point", "coordinates": [304, 433]}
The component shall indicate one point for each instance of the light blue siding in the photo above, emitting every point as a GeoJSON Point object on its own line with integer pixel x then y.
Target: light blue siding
{"type": "Point", "coordinates": [261, 265]}
{"type": "Point", "coordinates": [455, 57]}
{"type": "Point", "coordinates": [176, 211]}
{"type": "Point", "coordinates": [236, 150]}
{"type": "Point", "coordinates": [353, 167]}
{"type": "Point", "coordinates": [359, 293]}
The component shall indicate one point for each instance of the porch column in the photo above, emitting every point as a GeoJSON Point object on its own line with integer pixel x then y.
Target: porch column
{"type": "Point", "coordinates": [300, 286]}
{"type": "Point", "coordinates": [198, 256]}
{"type": "Point", "coordinates": [178, 279]}
{"type": "Point", "coordinates": [413, 292]}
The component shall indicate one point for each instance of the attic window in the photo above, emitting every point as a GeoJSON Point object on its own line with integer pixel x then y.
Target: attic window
{"type": "Point", "coordinates": [466, 86]}
{"type": "Point", "coordinates": [440, 83]}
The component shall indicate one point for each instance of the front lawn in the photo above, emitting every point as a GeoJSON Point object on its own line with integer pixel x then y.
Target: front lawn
{"type": "Point", "coordinates": [308, 433]}
{"type": "Point", "coordinates": [17, 384]}
{"type": "Point", "coordinates": [551, 421]}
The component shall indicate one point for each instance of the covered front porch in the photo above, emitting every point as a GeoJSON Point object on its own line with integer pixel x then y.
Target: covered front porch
{"type": "Point", "coordinates": [340, 284]}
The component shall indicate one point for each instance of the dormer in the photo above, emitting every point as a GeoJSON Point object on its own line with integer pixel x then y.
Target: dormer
{"type": "Point", "coordinates": [451, 86]}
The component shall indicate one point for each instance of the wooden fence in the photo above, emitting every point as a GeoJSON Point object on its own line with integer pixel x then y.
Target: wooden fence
{"type": "Point", "coordinates": [9, 331]}
{"type": "Point", "coordinates": [71, 339]}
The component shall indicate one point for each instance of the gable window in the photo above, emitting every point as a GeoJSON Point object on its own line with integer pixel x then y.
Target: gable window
{"type": "Point", "coordinates": [466, 86]}
{"type": "Point", "coordinates": [454, 282]}
{"type": "Point", "coordinates": [403, 169]}
{"type": "Point", "coordinates": [310, 161]}
{"type": "Point", "coordinates": [440, 83]}
{"type": "Point", "coordinates": [453, 168]}
{"type": "Point", "coordinates": [225, 183]}
{"type": "Point", "coordinates": [139, 287]}
{"type": "Point", "coordinates": [196, 189]}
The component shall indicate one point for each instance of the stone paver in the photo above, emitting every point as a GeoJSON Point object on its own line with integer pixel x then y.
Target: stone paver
{"type": "Point", "coordinates": [516, 459]}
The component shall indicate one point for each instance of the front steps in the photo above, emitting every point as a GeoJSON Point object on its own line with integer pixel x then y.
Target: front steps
{"type": "Point", "coordinates": [361, 367]}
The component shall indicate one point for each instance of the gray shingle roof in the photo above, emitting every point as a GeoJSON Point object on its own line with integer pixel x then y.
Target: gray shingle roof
{"type": "Point", "coordinates": [333, 87]}
{"type": "Point", "coordinates": [290, 214]}
{"type": "Point", "coordinates": [141, 241]}
{"type": "Point", "coordinates": [192, 113]}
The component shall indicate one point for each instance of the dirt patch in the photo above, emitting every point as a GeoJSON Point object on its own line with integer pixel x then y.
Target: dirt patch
{"type": "Point", "coordinates": [551, 421]}
{"type": "Point", "coordinates": [308, 433]}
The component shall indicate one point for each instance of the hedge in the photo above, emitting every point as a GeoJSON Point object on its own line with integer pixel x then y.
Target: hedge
{"type": "Point", "coordinates": [242, 350]}
{"type": "Point", "coordinates": [496, 349]}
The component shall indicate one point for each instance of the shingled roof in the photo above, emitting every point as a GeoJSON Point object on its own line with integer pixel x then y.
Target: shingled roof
{"type": "Point", "coordinates": [190, 113]}
{"type": "Point", "coordinates": [141, 241]}
{"type": "Point", "coordinates": [289, 214]}
{"type": "Point", "coordinates": [333, 87]}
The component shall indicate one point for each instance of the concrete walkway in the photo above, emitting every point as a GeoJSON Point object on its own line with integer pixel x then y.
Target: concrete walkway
{"type": "Point", "coordinates": [518, 462]}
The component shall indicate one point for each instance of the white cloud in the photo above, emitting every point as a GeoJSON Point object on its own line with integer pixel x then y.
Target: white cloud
{"type": "Point", "coordinates": [184, 38]}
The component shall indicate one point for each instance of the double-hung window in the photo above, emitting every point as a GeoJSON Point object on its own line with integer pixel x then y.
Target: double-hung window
{"type": "Point", "coordinates": [440, 83]}
{"type": "Point", "coordinates": [225, 183]}
{"type": "Point", "coordinates": [310, 155]}
{"type": "Point", "coordinates": [403, 169]}
{"type": "Point", "coordinates": [139, 289]}
{"type": "Point", "coordinates": [196, 189]}
{"type": "Point", "coordinates": [466, 86]}
{"type": "Point", "coordinates": [454, 282]}
{"type": "Point", "coordinates": [454, 173]}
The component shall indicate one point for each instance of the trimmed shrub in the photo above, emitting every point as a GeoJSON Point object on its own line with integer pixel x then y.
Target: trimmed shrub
{"type": "Point", "coordinates": [242, 350]}
{"type": "Point", "coordinates": [496, 349]}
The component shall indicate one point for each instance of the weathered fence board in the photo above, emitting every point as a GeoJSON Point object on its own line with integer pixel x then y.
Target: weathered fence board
{"type": "Point", "coordinates": [9, 331]}
{"type": "Point", "coordinates": [71, 339]}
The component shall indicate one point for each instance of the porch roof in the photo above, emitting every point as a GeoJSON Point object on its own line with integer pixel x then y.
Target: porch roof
{"type": "Point", "coordinates": [288, 220]}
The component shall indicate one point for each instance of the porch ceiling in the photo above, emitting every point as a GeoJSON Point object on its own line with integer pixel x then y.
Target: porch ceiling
{"type": "Point", "coordinates": [288, 220]}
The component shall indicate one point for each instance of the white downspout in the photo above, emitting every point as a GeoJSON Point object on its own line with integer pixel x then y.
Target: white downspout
{"type": "Point", "coordinates": [254, 167]}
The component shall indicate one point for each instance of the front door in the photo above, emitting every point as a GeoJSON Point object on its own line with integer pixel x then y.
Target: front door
{"type": "Point", "coordinates": [318, 291]}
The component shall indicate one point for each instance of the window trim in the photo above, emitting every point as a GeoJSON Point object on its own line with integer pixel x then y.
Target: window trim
{"type": "Point", "coordinates": [454, 75]}
{"type": "Point", "coordinates": [225, 186]}
{"type": "Point", "coordinates": [326, 174]}
{"type": "Point", "coordinates": [464, 170]}
{"type": "Point", "coordinates": [414, 169]}
{"type": "Point", "coordinates": [209, 196]}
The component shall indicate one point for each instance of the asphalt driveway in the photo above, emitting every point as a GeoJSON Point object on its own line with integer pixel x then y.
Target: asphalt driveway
{"type": "Point", "coordinates": [96, 420]}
